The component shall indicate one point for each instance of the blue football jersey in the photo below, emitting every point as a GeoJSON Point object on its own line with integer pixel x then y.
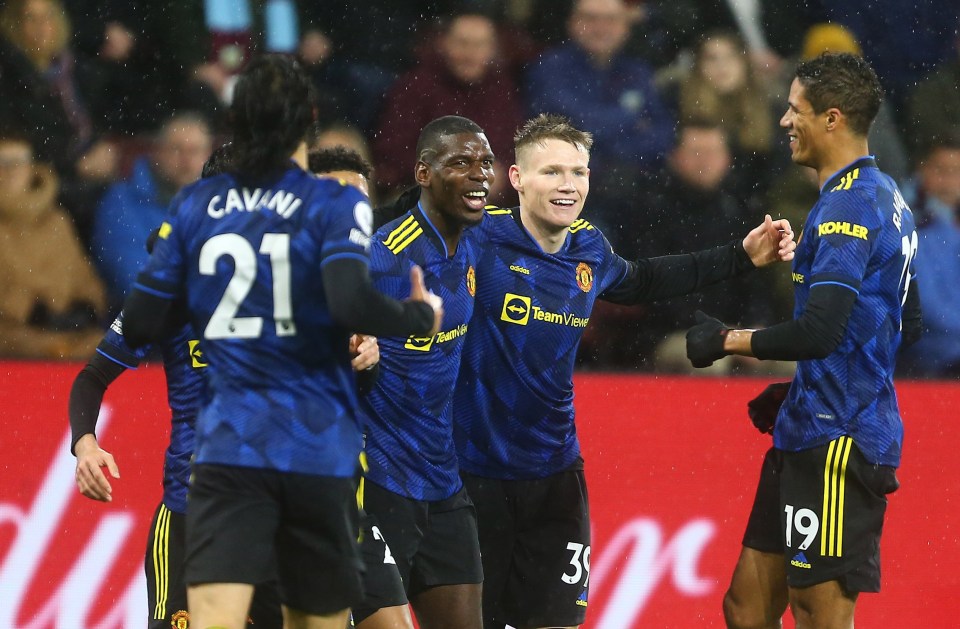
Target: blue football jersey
{"type": "Point", "coordinates": [513, 408]}
{"type": "Point", "coordinates": [408, 414]}
{"type": "Point", "coordinates": [859, 235]}
{"type": "Point", "coordinates": [248, 260]}
{"type": "Point", "coordinates": [184, 366]}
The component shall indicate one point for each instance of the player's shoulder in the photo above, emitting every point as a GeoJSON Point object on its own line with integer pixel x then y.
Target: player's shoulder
{"type": "Point", "coordinates": [396, 237]}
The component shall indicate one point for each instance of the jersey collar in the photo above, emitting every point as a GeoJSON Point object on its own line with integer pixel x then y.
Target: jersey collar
{"type": "Point", "coordinates": [430, 230]}
{"type": "Point", "coordinates": [866, 161]}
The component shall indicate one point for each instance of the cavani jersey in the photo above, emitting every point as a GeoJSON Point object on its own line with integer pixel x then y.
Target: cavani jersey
{"type": "Point", "coordinates": [859, 235]}
{"type": "Point", "coordinates": [408, 413]}
{"type": "Point", "coordinates": [513, 410]}
{"type": "Point", "coordinates": [183, 364]}
{"type": "Point", "coordinates": [248, 260]}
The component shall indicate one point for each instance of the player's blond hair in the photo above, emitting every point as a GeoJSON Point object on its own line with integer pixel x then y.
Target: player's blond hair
{"type": "Point", "coordinates": [550, 127]}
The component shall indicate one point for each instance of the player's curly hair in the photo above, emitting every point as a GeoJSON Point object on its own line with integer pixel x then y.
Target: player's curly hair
{"type": "Point", "coordinates": [551, 127]}
{"type": "Point", "coordinates": [844, 81]}
{"type": "Point", "coordinates": [272, 110]}
{"type": "Point", "coordinates": [338, 158]}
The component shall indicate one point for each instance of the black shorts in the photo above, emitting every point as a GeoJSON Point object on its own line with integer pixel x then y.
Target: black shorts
{"type": "Point", "coordinates": [382, 585]}
{"type": "Point", "coordinates": [434, 543]}
{"type": "Point", "coordinates": [535, 544]}
{"type": "Point", "coordinates": [823, 510]}
{"type": "Point", "coordinates": [166, 590]}
{"type": "Point", "coordinates": [245, 525]}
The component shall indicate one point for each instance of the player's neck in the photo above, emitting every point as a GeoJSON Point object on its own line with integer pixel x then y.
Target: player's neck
{"type": "Point", "coordinates": [300, 155]}
{"type": "Point", "coordinates": [842, 155]}
{"type": "Point", "coordinates": [448, 230]}
{"type": "Point", "coordinates": [550, 238]}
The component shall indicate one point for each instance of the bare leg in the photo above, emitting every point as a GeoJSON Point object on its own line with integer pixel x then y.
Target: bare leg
{"type": "Point", "coordinates": [449, 607]}
{"type": "Point", "coordinates": [757, 596]}
{"type": "Point", "coordinates": [396, 617]}
{"type": "Point", "coordinates": [220, 605]}
{"type": "Point", "coordinates": [823, 606]}
{"type": "Point", "coordinates": [295, 619]}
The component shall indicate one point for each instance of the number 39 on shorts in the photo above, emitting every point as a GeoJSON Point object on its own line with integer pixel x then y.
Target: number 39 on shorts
{"type": "Point", "coordinates": [579, 564]}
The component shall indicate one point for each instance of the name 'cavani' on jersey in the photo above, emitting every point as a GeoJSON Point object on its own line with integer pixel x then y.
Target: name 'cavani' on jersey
{"type": "Point", "coordinates": [859, 235]}
{"type": "Point", "coordinates": [408, 413]}
{"type": "Point", "coordinates": [248, 259]}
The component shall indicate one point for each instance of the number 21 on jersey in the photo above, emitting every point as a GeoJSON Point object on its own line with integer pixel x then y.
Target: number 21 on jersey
{"type": "Point", "coordinates": [224, 322]}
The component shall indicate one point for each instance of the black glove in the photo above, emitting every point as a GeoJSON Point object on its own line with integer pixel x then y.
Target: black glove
{"type": "Point", "coordinates": [764, 408]}
{"type": "Point", "coordinates": [705, 340]}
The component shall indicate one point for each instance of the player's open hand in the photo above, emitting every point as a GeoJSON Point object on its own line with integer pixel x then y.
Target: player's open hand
{"type": "Point", "coordinates": [419, 292]}
{"type": "Point", "coordinates": [365, 351]}
{"type": "Point", "coordinates": [771, 241]}
{"type": "Point", "coordinates": [91, 481]}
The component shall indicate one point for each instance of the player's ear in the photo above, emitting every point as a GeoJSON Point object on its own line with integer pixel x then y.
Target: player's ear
{"type": "Point", "coordinates": [423, 173]}
{"type": "Point", "coordinates": [514, 174]}
{"type": "Point", "coordinates": [833, 118]}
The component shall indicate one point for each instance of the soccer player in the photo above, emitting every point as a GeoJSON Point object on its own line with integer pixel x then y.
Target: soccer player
{"type": "Point", "coordinates": [384, 604]}
{"type": "Point", "coordinates": [413, 486]}
{"type": "Point", "coordinates": [539, 271]}
{"type": "Point", "coordinates": [272, 263]}
{"type": "Point", "coordinates": [812, 539]}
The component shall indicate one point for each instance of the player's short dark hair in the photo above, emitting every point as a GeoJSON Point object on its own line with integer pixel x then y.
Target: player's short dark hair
{"type": "Point", "coordinates": [844, 81]}
{"type": "Point", "coordinates": [220, 161]}
{"type": "Point", "coordinates": [271, 111]}
{"type": "Point", "coordinates": [435, 130]}
{"type": "Point", "coordinates": [551, 127]}
{"type": "Point", "coordinates": [338, 158]}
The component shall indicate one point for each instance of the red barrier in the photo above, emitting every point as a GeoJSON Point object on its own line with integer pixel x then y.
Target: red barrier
{"type": "Point", "coordinates": [671, 465]}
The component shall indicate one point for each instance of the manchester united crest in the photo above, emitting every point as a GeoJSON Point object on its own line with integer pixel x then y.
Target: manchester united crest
{"type": "Point", "coordinates": [471, 281]}
{"type": "Point", "coordinates": [180, 620]}
{"type": "Point", "coordinates": [584, 277]}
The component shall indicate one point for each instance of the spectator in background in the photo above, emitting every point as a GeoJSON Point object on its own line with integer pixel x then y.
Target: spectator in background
{"type": "Point", "coordinates": [133, 207]}
{"type": "Point", "coordinates": [935, 201]}
{"type": "Point", "coordinates": [590, 80]}
{"type": "Point", "coordinates": [884, 137]}
{"type": "Point", "coordinates": [42, 93]}
{"type": "Point", "coordinates": [722, 87]}
{"type": "Point", "coordinates": [462, 77]}
{"type": "Point", "coordinates": [689, 206]}
{"type": "Point", "coordinates": [934, 104]}
{"type": "Point", "coordinates": [50, 297]}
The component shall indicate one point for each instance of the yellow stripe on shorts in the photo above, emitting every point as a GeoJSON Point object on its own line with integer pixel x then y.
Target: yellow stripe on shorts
{"type": "Point", "coordinates": [161, 561]}
{"type": "Point", "coordinates": [834, 488]}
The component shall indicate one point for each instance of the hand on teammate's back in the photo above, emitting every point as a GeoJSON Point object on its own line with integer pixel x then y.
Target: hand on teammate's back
{"type": "Point", "coordinates": [769, 242]}
{"type": "Point", "coordinates": [764, 408]}
{"type": "Point", "coordinates": [419, 292]}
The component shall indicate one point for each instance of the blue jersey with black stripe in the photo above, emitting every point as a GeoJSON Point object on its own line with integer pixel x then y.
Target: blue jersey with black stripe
{"type": "Point", "coordinates": [183, 364]}
{"type": "Point", "coordinates": [859, 235]}
{"type": "Point", "coordinates": [408, 414]}
{"type": "Point", "coordinates": [513, 408]}
{"type": "Point", "coordinates": [248, 260]}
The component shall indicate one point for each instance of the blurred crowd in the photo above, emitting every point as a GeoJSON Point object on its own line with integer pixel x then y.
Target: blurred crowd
{"type": "Point", "coordinates": [108, 107]}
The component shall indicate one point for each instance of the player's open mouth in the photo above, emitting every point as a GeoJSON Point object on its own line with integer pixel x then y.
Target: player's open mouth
{"type": "Point", "coordinates": [476, 200]}
{"type": "Point", "coordinates": [563, 203]}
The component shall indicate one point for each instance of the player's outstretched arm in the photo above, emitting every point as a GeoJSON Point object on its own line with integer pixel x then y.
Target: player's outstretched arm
{"type": "Point", "coordinates": [769, 242]}
{"type": "Point", "coordinates": [355, 303]}
{"type": "Point", "coordinates": [91, 459]}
